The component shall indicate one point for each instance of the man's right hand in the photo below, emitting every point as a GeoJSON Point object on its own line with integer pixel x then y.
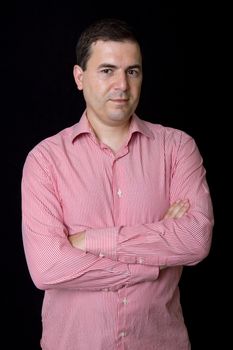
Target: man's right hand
{"type": "Point", "coordinates": [177, 209]}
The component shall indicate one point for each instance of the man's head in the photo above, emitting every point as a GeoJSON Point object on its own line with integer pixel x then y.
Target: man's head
{"type": "Point", "coordinates": [105, 30]}
{"type": "Point", "coordinates": [109, 71]}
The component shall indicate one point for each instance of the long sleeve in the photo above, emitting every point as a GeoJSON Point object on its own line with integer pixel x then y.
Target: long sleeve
{"type": "Point", "coordinates": [52, 261]}
{"type": "Point", "coordinates": [169, 242]}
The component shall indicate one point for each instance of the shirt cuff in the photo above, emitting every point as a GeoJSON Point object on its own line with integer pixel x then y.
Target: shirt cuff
{"type": "Point", "coordinates": [102, 242]}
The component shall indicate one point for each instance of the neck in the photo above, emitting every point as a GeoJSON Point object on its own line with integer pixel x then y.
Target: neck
{"type": "Point", "coordinates": [111, 135]}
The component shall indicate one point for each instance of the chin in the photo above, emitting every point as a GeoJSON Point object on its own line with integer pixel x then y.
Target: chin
{"type": "Point", "coordinates": [119, 116]}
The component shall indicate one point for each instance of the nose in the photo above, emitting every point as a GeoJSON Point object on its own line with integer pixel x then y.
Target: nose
{"type": "Point", "coordinates": [121, 82]}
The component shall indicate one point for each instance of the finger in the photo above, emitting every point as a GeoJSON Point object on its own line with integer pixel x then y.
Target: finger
{"type": "Point", "coordinates": [182, 210]}
{"type": "Point", "coordinates": [177, 210]}
{"type": "Point", "coordinates": [173, 210]}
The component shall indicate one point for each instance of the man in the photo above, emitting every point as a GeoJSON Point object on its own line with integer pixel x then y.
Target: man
{"type": "Point", "coordinates": [112, 208]}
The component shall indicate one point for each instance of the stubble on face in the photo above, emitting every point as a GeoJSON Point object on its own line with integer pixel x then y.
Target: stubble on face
{"type": "Point", "coordinates": [107, 97]}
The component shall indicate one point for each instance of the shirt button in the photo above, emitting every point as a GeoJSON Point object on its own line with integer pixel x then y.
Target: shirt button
{"type": "Point", "coordinates": [140, 260]}
{"type": "Point", "coordinates": [123, 334]}
{"type": "Point", "coordinates": [119, 193]}
{"type": "Point", "coordinates": [125, 301]}
{"type": "Point", "coordinates": [105, 289]}
{"type": "Point", "coordinates": [101, 255]}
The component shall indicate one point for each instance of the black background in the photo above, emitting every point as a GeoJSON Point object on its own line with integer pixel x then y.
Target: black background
{"type": "Point", "coordinates": [39, 98]}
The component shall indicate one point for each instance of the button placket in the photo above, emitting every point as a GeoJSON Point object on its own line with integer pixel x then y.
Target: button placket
{"type": "Point", "coordinates": [122, 326]}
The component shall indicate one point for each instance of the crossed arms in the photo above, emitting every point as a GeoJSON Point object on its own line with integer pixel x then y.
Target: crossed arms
{"type": "Point", "coordinates": [176, 211]}
{"type": "Point", "coordinates": [134, 253]}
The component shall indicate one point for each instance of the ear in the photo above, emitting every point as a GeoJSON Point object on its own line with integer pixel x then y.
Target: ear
{"type": "Point", "coordinates": [78, 76]}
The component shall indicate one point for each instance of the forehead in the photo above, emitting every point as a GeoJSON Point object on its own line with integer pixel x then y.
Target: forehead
{"type": "Point", "coordinates": [115, 52]}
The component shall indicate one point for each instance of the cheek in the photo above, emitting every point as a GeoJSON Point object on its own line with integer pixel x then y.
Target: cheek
{"type": "Point", "coordinates": [95, 88]}
{"type": "Point", "coordinates": [94, 96]}
{"type": "Point", "coordinates": [136, 94]}
{"type": "Point", "coordinates": [136, 88]}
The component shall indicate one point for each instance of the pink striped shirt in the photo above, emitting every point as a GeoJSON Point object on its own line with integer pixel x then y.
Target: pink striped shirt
{"type": "Point", "coordinates": [114, 296]}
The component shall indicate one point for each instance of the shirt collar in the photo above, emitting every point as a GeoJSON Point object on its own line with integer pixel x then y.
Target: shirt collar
{"type": "Point", "coordinates": [82, 127]}
{"type": "Point", "coordinates": [140, 126]}
{"type": "Point", "coordinates": [137, 126]}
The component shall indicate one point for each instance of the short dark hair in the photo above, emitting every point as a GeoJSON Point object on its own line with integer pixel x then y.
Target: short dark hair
{"type": "Point", "coordinates": [108, 29]}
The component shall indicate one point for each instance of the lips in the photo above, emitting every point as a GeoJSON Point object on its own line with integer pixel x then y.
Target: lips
{"type": "Point", "coordinates": [119, 100]}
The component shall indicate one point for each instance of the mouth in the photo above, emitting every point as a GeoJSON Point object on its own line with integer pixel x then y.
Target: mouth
{"type": "Point", "coordinates": [120, 101]}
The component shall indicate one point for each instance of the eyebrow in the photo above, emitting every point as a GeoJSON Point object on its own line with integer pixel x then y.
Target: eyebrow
{"type": "Point", "coordinates": [108, 65]}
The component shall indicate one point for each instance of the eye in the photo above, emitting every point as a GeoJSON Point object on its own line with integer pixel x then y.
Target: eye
{"type": "Point", "coordinates": [133, 72]}
{"type": "Point", "coordinates": [106, 70]}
